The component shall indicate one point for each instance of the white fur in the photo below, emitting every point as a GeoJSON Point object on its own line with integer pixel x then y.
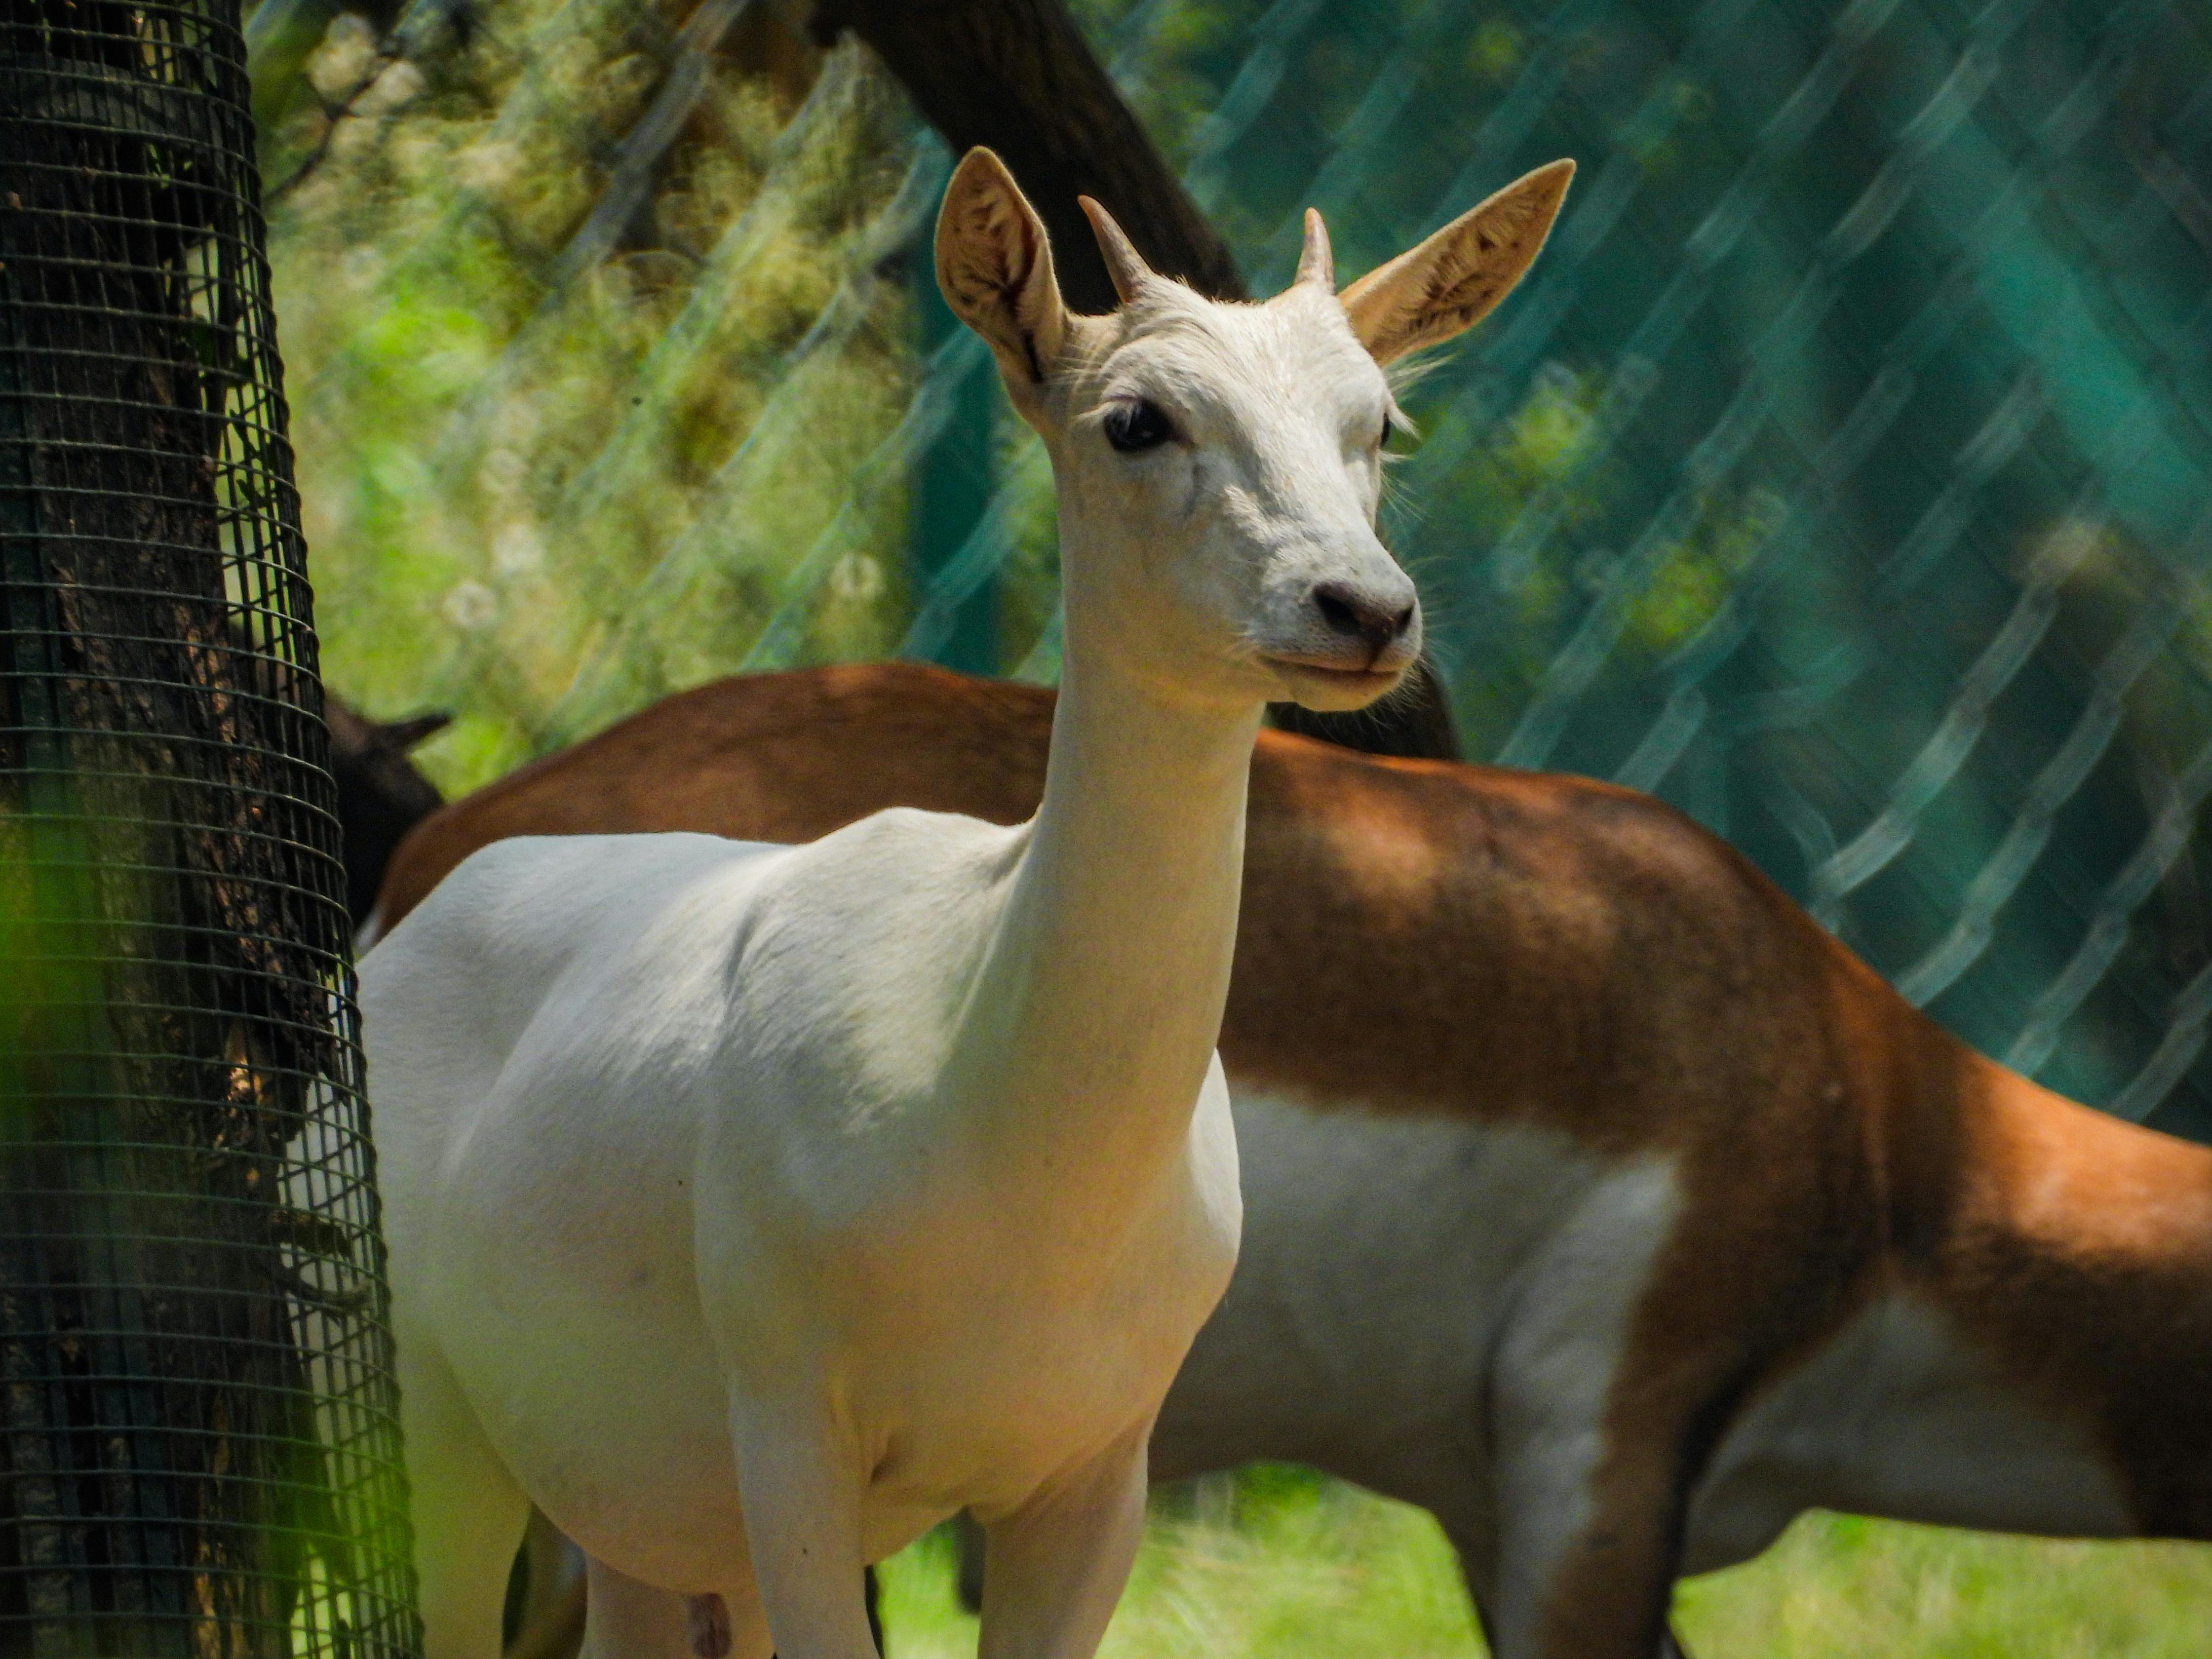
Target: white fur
{"type": "Point", "coordinates": [750, 1209]}
{"type": "Point", "coordinates": [1897, 1415]}
{"type": "Point", "coordinates": [1435, 1309]}
{"type": "Point", "coordinates": [1381, 1259]}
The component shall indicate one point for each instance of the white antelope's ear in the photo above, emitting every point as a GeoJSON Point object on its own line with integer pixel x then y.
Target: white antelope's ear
{"type": "Point", "coordinates": [995, 268]}
{"type": "Point", "coordinates": [1449, 283]}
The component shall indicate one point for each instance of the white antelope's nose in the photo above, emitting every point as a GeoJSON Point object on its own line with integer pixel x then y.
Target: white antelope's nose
{"type": "Point", "coordinates": [1378, 619]}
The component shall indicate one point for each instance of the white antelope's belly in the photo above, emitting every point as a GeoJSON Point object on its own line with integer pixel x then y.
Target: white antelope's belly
{"type": "Point", "coordinates": [565, 1295]}
{"type": "Point", "coordinates": [615, 1415]}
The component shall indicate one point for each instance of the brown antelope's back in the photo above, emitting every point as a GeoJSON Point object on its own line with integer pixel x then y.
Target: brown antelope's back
{"type": "Point", "coordinates": [785, 758]}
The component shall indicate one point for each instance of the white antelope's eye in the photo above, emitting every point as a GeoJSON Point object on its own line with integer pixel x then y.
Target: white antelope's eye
{"type": "Point", "coordinates": [1139, 425]}
{"type": "Point", "coordinates": [1390, 431]}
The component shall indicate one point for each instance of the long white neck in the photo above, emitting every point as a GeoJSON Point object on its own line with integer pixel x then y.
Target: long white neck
{"type": "Point", "coordinates": [1095, 1010]}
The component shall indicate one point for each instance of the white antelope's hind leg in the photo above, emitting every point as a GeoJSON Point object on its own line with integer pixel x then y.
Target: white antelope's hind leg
{"type": "Point", "coordinates": [626, 1619]}
{"type": "Point", "coordinates": [553, 1601]}
{"type": "Point", "coordinates": [1057, 1565]}
{"type": "Point", "coordinates": [468, 1513]}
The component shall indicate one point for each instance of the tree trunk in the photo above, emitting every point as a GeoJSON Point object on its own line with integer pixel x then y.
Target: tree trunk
{"type": "Point", "coordinates": [1017, 75]}
{"type": "Point", "coordinates": [168, 957]}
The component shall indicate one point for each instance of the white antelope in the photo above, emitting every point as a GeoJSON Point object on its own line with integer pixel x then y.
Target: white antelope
{"type": "Point", "coordinates": [1595, 1198]}
{"type": "Point", "coordinates": [753, 1208]}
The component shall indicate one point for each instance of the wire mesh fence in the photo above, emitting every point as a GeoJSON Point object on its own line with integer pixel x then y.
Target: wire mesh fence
{"type": "Point", "coordinates": [1864, 391]}
{"type": "Point", "coordinates": [198, 1448]}
{"type": "Point", "coordinates": [1841, 472]}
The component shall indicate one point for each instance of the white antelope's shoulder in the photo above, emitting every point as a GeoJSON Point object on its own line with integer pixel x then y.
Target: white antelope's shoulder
{"type": "Point", "coordinates": [896, 870]}
{"type": "Point", "coordinates": [866, 941]}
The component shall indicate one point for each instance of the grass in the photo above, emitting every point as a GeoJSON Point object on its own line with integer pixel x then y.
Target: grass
{"type": "Point", "coordinates": [1276, 1562]}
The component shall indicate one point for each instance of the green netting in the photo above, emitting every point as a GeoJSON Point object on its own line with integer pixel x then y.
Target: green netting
{"type": "Point", "coordinates": [1840, 474]}
{"type": "Point", "coordinates": [1843, 472]}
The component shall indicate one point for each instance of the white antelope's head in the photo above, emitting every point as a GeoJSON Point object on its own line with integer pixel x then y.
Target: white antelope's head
{"type": "Point", "coordinates": [1217, 466]}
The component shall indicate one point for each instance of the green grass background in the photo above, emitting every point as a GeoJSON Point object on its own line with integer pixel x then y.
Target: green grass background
{"type": "Point", "coordinates": [1278, 1562]}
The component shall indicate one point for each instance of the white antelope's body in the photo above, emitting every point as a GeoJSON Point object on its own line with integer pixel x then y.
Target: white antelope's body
{"type": "Point", "coordinates": [1595, 1198]}
{"type": "Point", "coordinates": [587, 1016]}
{"type": "Point", "coordinates": [752, 1208]}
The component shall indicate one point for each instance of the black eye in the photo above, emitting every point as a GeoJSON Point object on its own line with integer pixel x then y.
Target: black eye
{"type": "Point", "coordinates": [1136, 426]}
{"type": "Point", "coordinates": [1390, 431]}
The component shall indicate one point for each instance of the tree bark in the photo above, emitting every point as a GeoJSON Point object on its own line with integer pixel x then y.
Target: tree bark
{"type": "Point", "coordinates": [1018, 76]}
{"type": "Point", "coordinates": [166, 952]}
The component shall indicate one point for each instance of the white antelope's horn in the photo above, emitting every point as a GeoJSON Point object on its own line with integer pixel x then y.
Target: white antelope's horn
{"type": "Point", "coordinates": [1315, 262]}
{"type": "Point", "coordinates": [1123, 263]}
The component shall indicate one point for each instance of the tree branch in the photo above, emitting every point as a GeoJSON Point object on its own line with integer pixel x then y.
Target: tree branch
{"type": "Point", "coordinates": [1018, 76]}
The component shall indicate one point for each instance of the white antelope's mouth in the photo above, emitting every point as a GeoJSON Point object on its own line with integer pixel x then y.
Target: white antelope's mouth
{"type": "Point", "coordinates": [1337, 684]}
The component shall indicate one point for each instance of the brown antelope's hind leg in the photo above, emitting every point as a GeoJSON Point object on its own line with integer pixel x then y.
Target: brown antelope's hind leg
{"type": "Point", "coordinates": [968, 1578]}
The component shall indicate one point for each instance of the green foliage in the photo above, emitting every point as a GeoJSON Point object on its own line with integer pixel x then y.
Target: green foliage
{"type": "Point", "coordinates": [542, 500]}
{"type": "Point", "coordinates": [1728, 501]}
{"type": "Point", "coordinates": [1276, 1561]}
{"type": "Point", "coordinates": [1837, 1587]}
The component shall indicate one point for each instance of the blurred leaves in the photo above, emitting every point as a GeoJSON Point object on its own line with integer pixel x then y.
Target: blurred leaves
{"type": "Point", "coordinates": [496, 469]}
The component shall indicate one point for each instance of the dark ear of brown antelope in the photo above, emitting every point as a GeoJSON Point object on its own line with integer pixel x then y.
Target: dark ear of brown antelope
{"type": "Point", "coordinates": [380, 794]}
{"type": "Point", "coordinates": [1596, 1198]}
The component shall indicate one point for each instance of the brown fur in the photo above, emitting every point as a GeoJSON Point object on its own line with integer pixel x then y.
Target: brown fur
{"type": "Point", "coordinates": [1427, 936]}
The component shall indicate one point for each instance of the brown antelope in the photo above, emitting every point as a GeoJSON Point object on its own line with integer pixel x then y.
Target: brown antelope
{"type": "Point", "coordinates": [865, 1181]}
{"type": "Point", "coordinates": [1596, 1198]}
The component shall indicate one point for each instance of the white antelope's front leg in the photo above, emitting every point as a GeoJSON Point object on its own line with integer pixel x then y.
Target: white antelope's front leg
{"type": "Point", "coordinates": [800, 1483]}
{"type": "Point", "coordinates": [1057, 1565]}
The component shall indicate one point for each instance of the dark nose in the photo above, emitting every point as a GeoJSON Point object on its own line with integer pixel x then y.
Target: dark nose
{"type": "Point", "coordinates": [1359, 616]}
